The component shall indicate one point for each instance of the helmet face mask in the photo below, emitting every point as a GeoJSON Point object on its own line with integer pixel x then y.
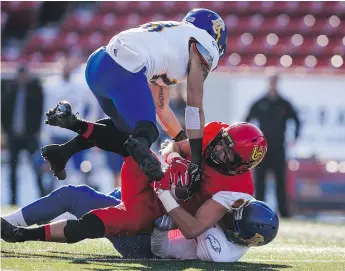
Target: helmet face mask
{"type": "Point", "coordinates": [221, 155]}
{"type": "Point", "coordinates": [235, 149]}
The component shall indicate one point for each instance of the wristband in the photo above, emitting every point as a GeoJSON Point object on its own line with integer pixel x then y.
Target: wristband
{"type": "Point", "coordinates": [182, 135]}
{"type": "Point", "coordinates": [167, 200]}
{"type": "Point", "coordinates": [192, 118]}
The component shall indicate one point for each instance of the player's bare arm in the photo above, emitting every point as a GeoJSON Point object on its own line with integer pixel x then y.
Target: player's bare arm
{"type": "Point", "coordinates": [207, 216]}
{"type": "Point", "coordinates": [165, 115]}
{"type": "Point", "coordinates": [197, 71]}
{"type": "Point", "coordinates": [181, 147]}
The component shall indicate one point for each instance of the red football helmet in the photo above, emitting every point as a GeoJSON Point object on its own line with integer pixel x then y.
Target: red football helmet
{"type": "Point", "coordinates": [233, 149]}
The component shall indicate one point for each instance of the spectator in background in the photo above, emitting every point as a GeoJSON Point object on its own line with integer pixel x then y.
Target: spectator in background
{"type": "Point", "coordinates": [71, 86]}
{"type": "Point", "coordinates": [21, 114]}
{"type": "Point", "coordinates": [272, 112]}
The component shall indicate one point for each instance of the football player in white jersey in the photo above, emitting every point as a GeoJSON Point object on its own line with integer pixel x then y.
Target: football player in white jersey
{"type": "Point", "coordinates": [253, 223]}
{"type": "Point", "coordinates": [130, 78]}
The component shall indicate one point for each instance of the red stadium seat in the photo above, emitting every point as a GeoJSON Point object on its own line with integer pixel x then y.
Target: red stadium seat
{"type": "Point", "coordinates": [256, 19]}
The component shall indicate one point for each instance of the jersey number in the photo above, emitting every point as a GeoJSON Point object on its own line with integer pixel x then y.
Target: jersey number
{"type": "Point", "coordinates": [157, 27]}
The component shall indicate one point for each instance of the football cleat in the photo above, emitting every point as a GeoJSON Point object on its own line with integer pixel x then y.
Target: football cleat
{"type": "Point", "coordinates": [148, 163]}
{"type": "Point", "coordinates": [11, 233]}
{"type": "Point", "coordinates": [61, 115]}
{"type": "Point", "coordinates": [57, 159]}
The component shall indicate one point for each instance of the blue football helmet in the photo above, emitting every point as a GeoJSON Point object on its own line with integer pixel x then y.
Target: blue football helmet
{"type": "Point", "coordinates": [257, 227]}
{"type": "Point", "coordinates": [211, 22]}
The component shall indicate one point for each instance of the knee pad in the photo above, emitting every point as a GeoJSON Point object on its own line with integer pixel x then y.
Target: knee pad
{"type": "Point", "coordinates": [89, 226]}
{"type": "Point", "coordinates": [147, 130]}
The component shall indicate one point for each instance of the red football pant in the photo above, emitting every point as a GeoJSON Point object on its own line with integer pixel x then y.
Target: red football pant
{"type": "Point", "coordinates": [140, 206]}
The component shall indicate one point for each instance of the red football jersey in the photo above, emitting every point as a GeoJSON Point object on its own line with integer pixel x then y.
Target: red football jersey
{"type": "Point", "coordinates": [214, 182]}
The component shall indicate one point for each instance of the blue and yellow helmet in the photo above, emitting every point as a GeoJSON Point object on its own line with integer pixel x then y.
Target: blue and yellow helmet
{"type": "Point", "coordinates": [211, 22]}
{"type": "Point", "coordinates": [258, 225]}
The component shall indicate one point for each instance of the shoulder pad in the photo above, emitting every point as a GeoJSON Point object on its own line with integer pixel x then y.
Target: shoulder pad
{"type": "Point", "coordinates": [204, 54]}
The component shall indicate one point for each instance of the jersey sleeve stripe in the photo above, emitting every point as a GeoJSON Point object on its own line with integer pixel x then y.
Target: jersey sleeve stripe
{"type": "Point", "coordinates": [202, 58]}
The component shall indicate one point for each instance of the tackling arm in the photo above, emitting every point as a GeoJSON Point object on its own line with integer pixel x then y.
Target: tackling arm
{"type": "Point", "coordinates": [207, 216]}
{"type": "Point", "coordinates": [192, 226]}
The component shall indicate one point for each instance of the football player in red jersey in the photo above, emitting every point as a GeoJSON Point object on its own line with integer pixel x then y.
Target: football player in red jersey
{"type": "Point", "coordinates": [229, 151]}
{"type": "Point", "coordinates": [141, 207]}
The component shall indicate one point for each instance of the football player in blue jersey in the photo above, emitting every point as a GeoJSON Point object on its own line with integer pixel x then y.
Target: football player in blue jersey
{"type": "Point", "coordinates": [130, 78]}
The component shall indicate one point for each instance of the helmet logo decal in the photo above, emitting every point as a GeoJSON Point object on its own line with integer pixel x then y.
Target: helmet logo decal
{"type": "Point", "coordinates": [214, 243]}
{"type": "Point", "coordinates": [190, 19]}
{"type": "Point", "coordinates": [257, 153]}
{"type": "Point", "coordinates": [238, 206]}
{"type": "Point", "coordinates": [218, 24]}
{"type": "Point", "coordinates": [255, 240]}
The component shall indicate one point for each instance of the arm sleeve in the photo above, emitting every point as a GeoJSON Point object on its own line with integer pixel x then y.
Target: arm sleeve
{"type": "Point", "coordinates": [178, 247]}
{"type": "Point", "coordinates": [231, 199]}
{"type": "Point", "coordinates": [213, 246]}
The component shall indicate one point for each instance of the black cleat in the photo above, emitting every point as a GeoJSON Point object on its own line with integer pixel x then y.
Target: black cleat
{"type": "Point", "coordinates": [11, 233]}
{"type": "Point", "coordinates": [61, 115]}
{"type": "Point", "coordinates": [57, 159]}
{"type": "Point", "coordinates": [148, 163]}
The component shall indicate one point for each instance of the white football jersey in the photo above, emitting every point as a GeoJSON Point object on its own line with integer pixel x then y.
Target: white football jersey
{"type": "Point", "coordinates": [211, 246]}
{"type": "Point", "coordinates": [161, 47]}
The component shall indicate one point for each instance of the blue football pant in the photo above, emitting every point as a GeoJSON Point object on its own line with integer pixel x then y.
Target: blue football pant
{"type": "Point", "coordinates": [124, 96]}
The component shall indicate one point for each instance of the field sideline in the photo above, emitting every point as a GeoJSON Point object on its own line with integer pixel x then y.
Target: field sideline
{"type": "Point", "coordinates": [300, 246]}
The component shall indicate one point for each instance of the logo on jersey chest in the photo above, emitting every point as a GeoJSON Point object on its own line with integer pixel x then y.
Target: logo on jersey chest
{"type": "Point", "coordinates": [214, 243]}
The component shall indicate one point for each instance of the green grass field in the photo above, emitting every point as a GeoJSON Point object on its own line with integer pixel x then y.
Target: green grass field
{"type": "Point", "coordinates": [299, 246]}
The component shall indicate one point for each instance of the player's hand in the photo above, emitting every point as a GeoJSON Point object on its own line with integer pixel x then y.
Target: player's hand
{"type": "Point", "coordinates": [175, 174]}
{"type": "Point", "coordinates": [165, 223]}
{"type": "Point", "coordinates": [178, 170]}
{"type": "Point", "coordinates": [164, 145]}
{"type": "Point", "coordinates": [195, 173]}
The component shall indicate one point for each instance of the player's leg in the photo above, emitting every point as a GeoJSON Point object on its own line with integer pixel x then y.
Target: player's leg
{"type": "Point", "coordinates": [77, 200]}
{"type": "Point", "coordinates": [119, 221]}
{"type": "Point", "coordinates": [108, 79]}
{"type": "Point", "coordinates": [141, 210]}
{"type": "Point", "coordinates": [260, 180]}
{"type": "Point", "coordinates": [64, 231]}
{"type": "Point", "coordinates": [279, 169]}
{"type": "Point", "coordinates": [102, 134]}
{"type": "Point", "coordinates": [14, 148]}
{"type": "Point", "coordinates": [32, 146]}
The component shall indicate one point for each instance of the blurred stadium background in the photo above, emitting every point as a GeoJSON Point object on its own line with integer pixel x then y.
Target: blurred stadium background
{"type": "Point", "coordinates": [303, 41]}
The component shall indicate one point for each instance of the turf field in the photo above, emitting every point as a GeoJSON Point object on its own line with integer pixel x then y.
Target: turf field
{"type": "Point", "coordinates": [299, 246]}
